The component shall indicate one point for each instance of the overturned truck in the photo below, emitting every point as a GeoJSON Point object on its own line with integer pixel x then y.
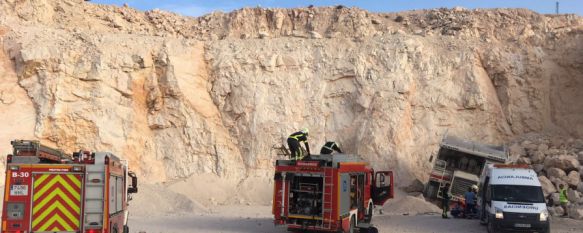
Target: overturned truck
{"type": "Point", "coordinates": [460, 163]}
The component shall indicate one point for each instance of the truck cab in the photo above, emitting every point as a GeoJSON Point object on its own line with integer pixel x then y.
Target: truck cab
{"type": "Point", "coordinates": [512, 199]}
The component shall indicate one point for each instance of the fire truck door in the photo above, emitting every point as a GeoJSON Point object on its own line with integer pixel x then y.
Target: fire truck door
{"type": "Point", "coordinates": [383, 187]}
{"type": "Point", "coordinates": [56, 202]}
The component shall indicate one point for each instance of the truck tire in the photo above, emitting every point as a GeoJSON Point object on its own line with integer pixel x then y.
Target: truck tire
{"type": "Point", "coordinates": [491, 228]}
{"type": "Point", "coordinates": [368, 215]}
{"type": "Point", "coordinates": [483, 217]}
{"type": "Point", "coordinates": [126, 229]}
{"type": "Point", "coordinates": [352, 225]}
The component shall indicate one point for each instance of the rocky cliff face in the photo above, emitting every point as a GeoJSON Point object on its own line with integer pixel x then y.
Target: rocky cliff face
{"type": "Point", "coordinates": [186, 97]}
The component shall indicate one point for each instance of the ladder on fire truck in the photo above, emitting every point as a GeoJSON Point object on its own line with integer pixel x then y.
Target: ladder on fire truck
{"type": "Point", "coordinates": [94, 192]}
{"type": "Point", "coordinates": [327, 215]}
{"type": "Point", "coordinates": [40, 153]}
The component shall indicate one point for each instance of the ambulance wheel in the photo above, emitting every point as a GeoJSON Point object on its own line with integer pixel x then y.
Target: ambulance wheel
{"type": "Point", "coordinates": [126, 229]}
{"type": "Point", "coordinates": [368, 215]}
{"type": "Point", "coordinates": [483, 219]}
{"type": "Point", "coordinates": [491, 228]}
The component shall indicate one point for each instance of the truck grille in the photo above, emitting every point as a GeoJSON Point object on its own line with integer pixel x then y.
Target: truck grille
{"type": "Point", "coordinates": [519, 217]}
{"type": "Point", "coordinates": [460, 186]}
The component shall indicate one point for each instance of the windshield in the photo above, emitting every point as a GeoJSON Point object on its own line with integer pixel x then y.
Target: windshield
{"type": "Point", "coordinates": [517, 193]}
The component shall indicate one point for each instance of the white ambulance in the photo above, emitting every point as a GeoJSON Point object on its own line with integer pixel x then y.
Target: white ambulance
{"type": "Point", "coordinates": [511, 198]}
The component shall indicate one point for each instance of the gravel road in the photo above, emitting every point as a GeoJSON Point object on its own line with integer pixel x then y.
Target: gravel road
{"type": "Point", "coordinates": [257, 219]}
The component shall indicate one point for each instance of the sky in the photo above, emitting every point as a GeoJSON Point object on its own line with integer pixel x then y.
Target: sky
{"type": "Point", "coordinates": [201, 7]}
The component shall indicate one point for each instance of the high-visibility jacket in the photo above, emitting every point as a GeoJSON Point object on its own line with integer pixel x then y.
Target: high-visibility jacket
{"type": "Point", "coordinates": [330, 147]}
{"type": "Point", "coordinates": [563, 196]}
{"type": "Point", "coordinates": [301, 137]}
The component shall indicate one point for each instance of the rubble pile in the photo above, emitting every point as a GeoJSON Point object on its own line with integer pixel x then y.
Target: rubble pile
{"type": "Point", "coordinates": [556, 160]}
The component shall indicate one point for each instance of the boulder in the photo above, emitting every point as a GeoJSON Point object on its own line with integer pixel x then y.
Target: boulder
{"type": "Point", "coordinates": [556, 211]}
{"type": "Point", "coordinates": [573, 179]}
{"type": "Point", "coordinates": [557, 142]}
{"type": "Point", "coordinates": [547, 185]}
{"type": "Point", "coordinates": [555, 197]}
{"type": "Point", "coordinates": [523, 160]}
{"type": "Point", "coordinates": [537, 157]}
{"type": "Point", "coordinates": [580, 157]}
{"type": "Point", "coordinates": [315, 35]}
{"type": "Point", "coordinates": [556, 173]}
{"type": "Point", "coordinates": [553, 151]}
{"type": "Point", "coordinates": [573, 196]}
{"type": "Point", "coordinates": [264, 35]}
{"type": "Point", "coordinates": [580, 187]}
{"type": "Point", "coordinates": [543, 148]}
{"type": "Point", "coordinates": [516, 150]}
{"type": "Point", "coordinates": [564, 162]}
{"type": "Point", "coordinates": [538, 168]}
{"type": "Point", "coordinates": [576, 212]}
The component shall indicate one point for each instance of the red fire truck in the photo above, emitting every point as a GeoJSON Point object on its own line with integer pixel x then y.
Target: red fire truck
{"type": "Point", "coordinates": [47, 190]}
{"type": "Point", "coordinates": [333, 193]}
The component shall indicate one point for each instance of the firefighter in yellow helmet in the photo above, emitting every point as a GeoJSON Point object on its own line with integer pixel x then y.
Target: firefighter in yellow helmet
{"type": "Point", "coordinates": [293, 141]}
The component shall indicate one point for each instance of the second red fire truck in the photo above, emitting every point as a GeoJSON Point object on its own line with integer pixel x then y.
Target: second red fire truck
{"type": "Point", "coordinates": [332, 193]}
{"type": "Point", "coordinates": [49, 191]}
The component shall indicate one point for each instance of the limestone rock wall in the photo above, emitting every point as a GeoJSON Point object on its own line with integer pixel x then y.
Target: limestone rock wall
{"type": "Point", "coordinates": [183, 97]}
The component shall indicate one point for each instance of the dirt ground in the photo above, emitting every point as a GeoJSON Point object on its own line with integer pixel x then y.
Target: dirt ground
{"type": "Point", "coordinates": [258, 219]}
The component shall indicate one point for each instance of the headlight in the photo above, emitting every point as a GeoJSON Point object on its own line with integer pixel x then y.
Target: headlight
{"type": "Point", "coordinates": [544, 216]}
{"type": "Point", "coordinates": [499, 214]}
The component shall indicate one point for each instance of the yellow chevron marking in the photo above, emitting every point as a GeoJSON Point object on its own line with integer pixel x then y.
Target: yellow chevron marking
{"type": "Point", "coordinates": [54, 219]}
{"type": "Point", "coordinates": [52, 182]}
{"type": "Point", "coordinates": [50, 197]}
{"type": "Point", "coordinates": [75, 180]}
{"type": "Point", "coordinates": [50, 210]}
{"type": "Point", "coordinates": [40, 180]}
{"type": "Point", "coordinates": [60, 205]}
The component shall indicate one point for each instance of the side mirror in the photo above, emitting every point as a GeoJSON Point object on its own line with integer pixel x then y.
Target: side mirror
{"type": "Point", "coordinates": [134, 187]}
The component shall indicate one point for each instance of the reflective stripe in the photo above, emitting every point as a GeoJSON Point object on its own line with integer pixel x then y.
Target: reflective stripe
{"type": "Point", "coordinates": [297, 137]}
{"type": "Point", "coordinates": [330, 148]}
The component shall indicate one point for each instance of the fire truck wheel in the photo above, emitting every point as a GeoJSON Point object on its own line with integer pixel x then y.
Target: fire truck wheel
{"type": "Point", "coordinates": [373, 230]}
{"type": "Point", "coordinates": [126, 229]}
{"type": "Point", "coordinates": [352, 225]}
{"type": "Point", "coordinates": [368, 216]}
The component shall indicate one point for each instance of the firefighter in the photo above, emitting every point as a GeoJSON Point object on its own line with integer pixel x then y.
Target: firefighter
{"type": "Point", "coordinates": [293, 141]}
{"type": "Point", "coordinates": [445, 202]}
{"type": "Point", "coordinates": [329, 147]}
